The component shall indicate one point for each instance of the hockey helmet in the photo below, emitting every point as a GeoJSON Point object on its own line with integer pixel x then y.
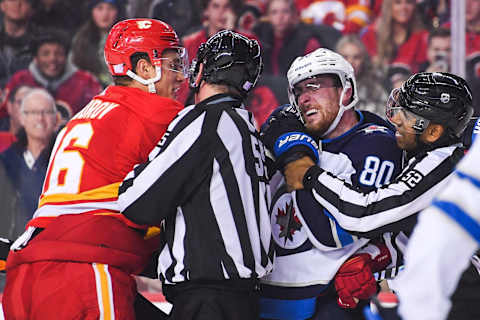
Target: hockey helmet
{"type": "Point", "coordinates": [318, 62]}
{"type": "Point", "coordinates": [438, 97]}
{"type": "Point", "coordinates": [228, 58]}
{"type": "Point", "coordinates": [148, 36]}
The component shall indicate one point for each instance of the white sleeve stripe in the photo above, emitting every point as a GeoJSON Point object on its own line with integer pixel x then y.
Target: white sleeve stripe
{"type": "Point", "coordinates": [161, 163]}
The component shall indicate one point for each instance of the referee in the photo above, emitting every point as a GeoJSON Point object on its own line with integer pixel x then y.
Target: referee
{"type": "Point", "coordinates": [207, 178]}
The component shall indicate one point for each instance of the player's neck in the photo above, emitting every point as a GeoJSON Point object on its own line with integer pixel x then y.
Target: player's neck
{"type": "Point", "coordinates": [348, 121]}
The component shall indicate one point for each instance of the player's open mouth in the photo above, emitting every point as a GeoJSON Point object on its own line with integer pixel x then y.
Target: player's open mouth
{"type": "Point", "coordinates": [311, 112]}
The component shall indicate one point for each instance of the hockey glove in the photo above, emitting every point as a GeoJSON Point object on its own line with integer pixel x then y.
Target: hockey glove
{"type": "Point", "coordinates": [355, 280]}
{"type": "Point", "coordinates": [284, 136]}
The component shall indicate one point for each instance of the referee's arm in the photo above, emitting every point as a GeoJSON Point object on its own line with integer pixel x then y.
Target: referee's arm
{"type": "Point", "coordinates": [153, 190]}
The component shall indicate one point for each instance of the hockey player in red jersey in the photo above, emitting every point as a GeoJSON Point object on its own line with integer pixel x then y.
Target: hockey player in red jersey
{"type": "Point", "coordinates": [77, 255]}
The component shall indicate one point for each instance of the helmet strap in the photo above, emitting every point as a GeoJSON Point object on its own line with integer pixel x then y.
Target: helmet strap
{"type": "Point", "coordinates": [148, 82]}
{"type": "Point", "coordinates": [341, 110]}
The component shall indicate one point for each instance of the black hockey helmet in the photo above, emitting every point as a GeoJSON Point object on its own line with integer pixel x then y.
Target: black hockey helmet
{"type": "Point", "coordinates": [438, 97]}
{"type": "Point", "coordinates": [228, 58]}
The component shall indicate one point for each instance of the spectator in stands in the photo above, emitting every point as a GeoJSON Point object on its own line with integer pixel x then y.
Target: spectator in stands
{"type": "Point", "coordinates": [50, 69]}
{"type": "Point", "coordinates": [268, 94]}
{"type": "Point", "coordinates": [283, 37]}
{"type": "Point", "coordinates": [178, 17]}
{"type": "Point", "coordinates": [438, 51]}
{"type": "Point", "coordinates": [11, 124]}
{"type": "Point", "coordinates": [87, 48]}
{"type": "Point", "coordinates": [16, 32]}
{"type": "Point", "coordinates": [249, 16]}
{"type": "Point", "coordinates": [218, 15]}
{"type": "Point", "coordinates": [472, 49]}
{"type": "Point", "coordinates": [372, 95]}
{"type": "Point", "coordinates": [27, 159]}
{"type": "Point", "coordinates": [398, 38]}
{"type": "Point", "coordinates": [56, 14]}
{"type": "Point", "coordinates": [347, 16]}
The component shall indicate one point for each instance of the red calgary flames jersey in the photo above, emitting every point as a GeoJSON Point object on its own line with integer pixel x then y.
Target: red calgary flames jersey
{"type": "Point", "coordinates": [98, 147]}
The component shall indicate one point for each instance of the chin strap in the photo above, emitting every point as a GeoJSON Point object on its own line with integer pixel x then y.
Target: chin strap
{"type": "Point", "coordinates": [148, 82]}
{"type": "Point", "coordinates": [341, 110]}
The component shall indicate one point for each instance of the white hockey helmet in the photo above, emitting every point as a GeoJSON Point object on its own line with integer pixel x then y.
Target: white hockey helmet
{"type": "Point", "coordinates": [323, 61]}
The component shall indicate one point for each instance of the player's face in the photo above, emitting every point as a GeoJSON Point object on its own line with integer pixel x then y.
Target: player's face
{"type": "Point", "coordinates": [318, 99]}
{"type": "Point", "coordinates": [51, 59]}
{"type": "Point", "coordinates": [172, 75]}
{"type": "Point", "coordinates": [406, 139]}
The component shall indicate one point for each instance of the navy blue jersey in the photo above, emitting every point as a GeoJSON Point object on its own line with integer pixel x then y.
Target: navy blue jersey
{"type": "Point", "coordinates": [310, 245]}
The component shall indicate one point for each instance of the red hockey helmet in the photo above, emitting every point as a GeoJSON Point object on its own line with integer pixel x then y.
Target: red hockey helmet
{"type": "Point", "coordinates": [139, 35]}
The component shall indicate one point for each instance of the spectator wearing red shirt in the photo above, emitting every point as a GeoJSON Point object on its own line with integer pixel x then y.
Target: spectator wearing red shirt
{"type": "Point", "coordinates": [218, 15]}
{"type": "Point", "coordinates": [398, 38]}
{"type": "Point", "coordinates": [72, 88]}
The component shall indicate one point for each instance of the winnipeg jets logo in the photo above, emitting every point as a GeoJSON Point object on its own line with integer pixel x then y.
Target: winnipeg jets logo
{"type": "Point", "coordinates": [286, 227]}
{"type": "Point", "coordinates": [288, 222]}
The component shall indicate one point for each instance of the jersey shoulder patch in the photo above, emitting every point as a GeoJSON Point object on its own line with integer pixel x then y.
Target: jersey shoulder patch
{"type": "Point", "coordinates": [287, 230]}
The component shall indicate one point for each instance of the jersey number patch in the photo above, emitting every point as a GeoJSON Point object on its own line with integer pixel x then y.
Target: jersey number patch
{"type": "Point", "coordinates": [66, 165]}
{"type": "Point", "coordinates": [376, 172]}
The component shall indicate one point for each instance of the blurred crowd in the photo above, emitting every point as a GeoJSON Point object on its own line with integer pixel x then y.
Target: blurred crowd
{"type": "Point", "coordinates": [51, 61]}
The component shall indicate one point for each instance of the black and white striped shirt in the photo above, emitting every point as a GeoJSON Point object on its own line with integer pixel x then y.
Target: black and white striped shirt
{"type": "Point", "coordinates": [207, 178]}
{"type": "Point", "coordinates": [390, 207]}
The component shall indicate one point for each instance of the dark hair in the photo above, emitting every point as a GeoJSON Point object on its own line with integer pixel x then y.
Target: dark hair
{"type": "Point", "coordinates": [438, 33]}
{"type": "Point", "coordinates": [134, 58]}
{"type": "Point", "coordinates": [49, 35]}
{"type": "Point", "coordinates": [86, 44]}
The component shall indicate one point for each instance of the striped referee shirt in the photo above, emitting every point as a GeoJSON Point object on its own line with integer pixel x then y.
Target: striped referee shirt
{"type": "Point", "coordinates": [207, 180]}
{"type": "Point", "coordinates": [392, 206]}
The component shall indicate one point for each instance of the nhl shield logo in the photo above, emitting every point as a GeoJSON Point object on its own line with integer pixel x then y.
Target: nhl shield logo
{"type": "Point", "coordinates": [287, 230]}
{"type": "Point", "coordinates": [445, 97]}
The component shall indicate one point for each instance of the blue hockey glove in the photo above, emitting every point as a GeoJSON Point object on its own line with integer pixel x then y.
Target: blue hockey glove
{"type": "Point", "coordinates": [284, 135]}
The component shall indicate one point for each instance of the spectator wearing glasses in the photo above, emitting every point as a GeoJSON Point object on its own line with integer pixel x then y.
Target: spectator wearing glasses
{"type": "Point", "coordinates": [26, 160]}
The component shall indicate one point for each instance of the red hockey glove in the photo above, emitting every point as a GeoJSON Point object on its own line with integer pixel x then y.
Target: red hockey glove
{"type": "Point", "coordinates": [355, 279]}
{"type": "Point", "coordinates": [379, 254]}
